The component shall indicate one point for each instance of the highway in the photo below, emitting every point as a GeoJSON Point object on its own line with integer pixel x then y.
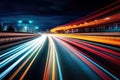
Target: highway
{"type": "Point", "coordinates": [62, 57]}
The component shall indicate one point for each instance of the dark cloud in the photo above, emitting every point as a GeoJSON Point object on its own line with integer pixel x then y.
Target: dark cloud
{"type": "Point", "coordinates": [58, 7]}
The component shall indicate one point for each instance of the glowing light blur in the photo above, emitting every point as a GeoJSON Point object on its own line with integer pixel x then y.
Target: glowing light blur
{"type": "Point", "coordinates": [101, 39]}
{"type": "Point", "coordinates": [29, 49]}
{"type": "Point", "coordinates": [52, 60]}
{"type": "Point", "coordinates": [30, 21]}
{"type": "Point", "coordinates": [20, 21]}
{"type": "Point", "coordinates": [93, 65]}
{"type": "Point", "coordinates": [41, 45]}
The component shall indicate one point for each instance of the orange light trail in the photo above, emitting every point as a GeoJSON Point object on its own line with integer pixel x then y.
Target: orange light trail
{"type": "Point", "coordinates": [105, 20]}
{"type": "Point", "coordinates": [51, 62]}
{"type": "Point", "coordinates": [18, 70]}
{"type": "Point", "coordinates": [101, 39]}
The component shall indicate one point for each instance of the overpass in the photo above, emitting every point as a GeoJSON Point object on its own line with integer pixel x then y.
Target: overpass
{"type": "Point", "coordinates": [103, 20]}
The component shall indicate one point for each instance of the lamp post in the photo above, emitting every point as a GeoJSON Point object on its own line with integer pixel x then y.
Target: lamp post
{"type": "Point", "coordinates": [36, 28]}
{"type": "Point", "coordinates": [1, 25]}
{"type": "Point", "coordinates": [25, 25]}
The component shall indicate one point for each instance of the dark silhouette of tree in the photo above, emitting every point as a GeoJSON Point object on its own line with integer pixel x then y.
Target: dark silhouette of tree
{"type": "Point", "coordinates": [10, 28]}
{"type": "Point", "coordinates": [1, 28]}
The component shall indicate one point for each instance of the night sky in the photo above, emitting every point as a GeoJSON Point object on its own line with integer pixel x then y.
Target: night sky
{"type": "Point", "coordinates": [48, 13]}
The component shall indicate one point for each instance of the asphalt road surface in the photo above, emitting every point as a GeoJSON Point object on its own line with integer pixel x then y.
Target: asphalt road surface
{"type": "Point", "coordinates": [51, 57]}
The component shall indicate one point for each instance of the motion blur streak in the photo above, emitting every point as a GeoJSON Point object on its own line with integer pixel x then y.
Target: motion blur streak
{"type": "Point", "coordinates": [30, 48]}
{"type": "Point", "coordinates": [62, 57]}
{"type": "Point", "coordinates": [90, 63]}
{"type": "Point", "coordinates": [16, 49]}
{"type": "Point", "coordinates": [101, 39]}
{"type": "Point", "coordinates": [52, 60]}
{"type": "Point", "coordinates": [57, 59]}
{"type": "Point", "coordinates": [106, 56]}
{"type": "Point", "coordinates": [95, 46]}
{"type": "Point", "coordinates": [9, 59]}
{"type": "Point", "coordinates": [16, 63]}
{"type": "Point", "coordinates": [40, 42]}
{"type": "Point", "coordinates": [36, 50]}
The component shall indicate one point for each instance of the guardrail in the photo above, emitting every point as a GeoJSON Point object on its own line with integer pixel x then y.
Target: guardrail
{"type": "Point", "coordinates": [9, 37]}
{"type": "Point", "coordinates": [110, 34]}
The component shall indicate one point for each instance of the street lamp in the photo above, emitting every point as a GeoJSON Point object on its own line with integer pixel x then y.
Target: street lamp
{"type": "Point", "coordinates": [36, 27]}
{"type": "Point", "coordinates": [30, 21]}
{"type": "Point", "coordinates": [20, 21]}
{"type": "Point", "coordinates": [25, 28]}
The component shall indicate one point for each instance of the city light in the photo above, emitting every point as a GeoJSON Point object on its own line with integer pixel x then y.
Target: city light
{"type": "Point", "coordinates": [25, 27]}
{"type": "Point", "coordinates": [30, 21]}
{"type": "Point", "coordinates": [107, 18]}
{"type": "Point", "coordinates": [36, 27]}
{"type": "Point", "coordinates": [20, 21]}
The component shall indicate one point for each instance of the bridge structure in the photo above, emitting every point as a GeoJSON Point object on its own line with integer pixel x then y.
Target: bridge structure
{"type": "Point", "coordinates": [106, 19]}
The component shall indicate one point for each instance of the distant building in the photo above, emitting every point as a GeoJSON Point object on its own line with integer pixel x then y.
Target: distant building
{"type": "Point", "coordinates": [1, 26]}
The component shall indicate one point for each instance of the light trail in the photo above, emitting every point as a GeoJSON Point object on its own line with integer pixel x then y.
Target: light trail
{"type": "Point", "coordinates": [101, 39]}
{"type": "Point", "coordinates": [9, 59]}
{"type": "Point", "coordinates": [15, 49]}
{"type": "Point", "coordinates": [52, 60]}
{"type": "Point", "coordinates": [57, 60]}
{"type": "Point", "coordinates": [5, 72]}
{"type": "Point", "coordinates": [90, 62]}
{"type": "Point", "coordinates": [103, 45]}
{"type": "Point", "coordinates": [105, 56]}
{"type": "Point", "coordinates": [95, 46]}
{"type": "Point", "coordinates": [61, 57]}
{"type": "Point", "coordinates": [37, 53]}
{"type": "Point", "coordinates": [37, 50]}
{"type": "Point", "coordinates": [47, 68]}
{"type": "Point", "coordinates": [15, 63]}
